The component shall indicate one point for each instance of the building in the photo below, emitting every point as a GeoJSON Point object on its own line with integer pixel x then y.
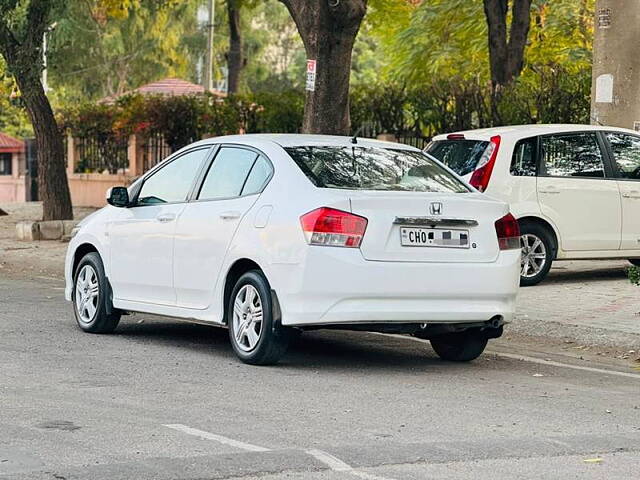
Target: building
{"type": "Point", "coordinates": [12, 169]}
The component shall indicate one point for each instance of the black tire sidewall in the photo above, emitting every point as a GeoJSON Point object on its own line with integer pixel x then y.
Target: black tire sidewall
{"type": "Point", "coordinates": [459, 347]}
{"type": "Point", "coordinates": [549, 244]}
{"type": "Point", "coordinates": [261, 353]}
{"type": "Point", "coordinates": [101, 323]}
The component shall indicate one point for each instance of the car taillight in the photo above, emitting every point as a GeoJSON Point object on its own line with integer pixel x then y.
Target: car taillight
{"type": "Point", "coordinates": [333, 228]}
{"type": "Point", "coordinates": [508, 232]}
{"type": "Point", "coordinates": [482, 174]}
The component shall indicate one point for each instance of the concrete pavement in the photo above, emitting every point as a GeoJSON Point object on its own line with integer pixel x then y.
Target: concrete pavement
{"type": "Point", "coordinates": [162, 399]}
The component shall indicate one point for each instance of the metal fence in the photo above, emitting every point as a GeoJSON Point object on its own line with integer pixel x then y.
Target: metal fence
{"type": "Point", "coordinates": [154, 150]}
{"type": "Point", "coordinates": [101, 155]}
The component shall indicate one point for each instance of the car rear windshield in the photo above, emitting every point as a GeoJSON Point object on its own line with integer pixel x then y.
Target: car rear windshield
{"type": "Point", "coordinates": [461, 156]}
{"type": "Point", "coordinates": [365, 168]}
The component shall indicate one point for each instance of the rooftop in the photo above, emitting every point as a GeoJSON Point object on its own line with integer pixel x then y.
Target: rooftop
{"type": "Point", "coordinates": [169, 86]}
{"type": "Point", "coordinates": [10, 145]}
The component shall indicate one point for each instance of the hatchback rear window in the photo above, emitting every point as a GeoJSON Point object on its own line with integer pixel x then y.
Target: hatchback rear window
{"type": "Point", "coordinates": [461, 156]}
{"type": "Point", "coordinates": [364, 168]}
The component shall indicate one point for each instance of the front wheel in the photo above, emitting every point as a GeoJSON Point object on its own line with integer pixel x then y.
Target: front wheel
{"type": "Point", "coordinates": [255, 337]}
{"type": "Point", "coordinates": [90, 297]}
{"type": "Point", "coordinates": [538, 251]}
{"type": "Point", "coordinates": [459, 347]}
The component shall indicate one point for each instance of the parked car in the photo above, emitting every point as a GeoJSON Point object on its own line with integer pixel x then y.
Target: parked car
{"type": "Point", "coordinates": [273, 234]}
{"type": "Point", "coordinates": [575, 189]}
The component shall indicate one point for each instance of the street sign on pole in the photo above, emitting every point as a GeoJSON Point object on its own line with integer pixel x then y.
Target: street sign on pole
{"type": "Point", "coordinates": [311, 75]}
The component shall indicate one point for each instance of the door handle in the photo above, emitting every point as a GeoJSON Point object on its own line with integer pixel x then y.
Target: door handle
{"type": "Point", "coordinates": [549, 190]}
{"type": "Point", "coordinates": [166, 217]}
{"type": "Point", "coordinates": [230, 215]}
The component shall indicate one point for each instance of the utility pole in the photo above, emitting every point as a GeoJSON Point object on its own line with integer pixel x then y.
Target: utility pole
{"type": "Point", "coordinates": [49, 29]}
{"type": "Point", "coordinates": [615, 88]}
{"type": "Point", "coordinates": [208, 73]}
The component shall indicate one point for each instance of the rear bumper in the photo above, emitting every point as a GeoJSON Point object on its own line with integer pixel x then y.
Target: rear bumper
{"type": "Point", "coordinates": [337, 286]}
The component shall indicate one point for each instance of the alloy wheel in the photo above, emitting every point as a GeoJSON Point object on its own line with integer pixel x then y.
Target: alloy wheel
{"type": "Point", "coordinates": [534, 255]}
{"type": "Point", "coordinates": [87, 292]}
{"type": "Point", "coordinates": [247, 318]}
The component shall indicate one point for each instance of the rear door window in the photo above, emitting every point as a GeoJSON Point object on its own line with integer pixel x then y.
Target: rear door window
{"type": "Point", "coordinates": [227, 174]}
{"type": "Point", "coordinates": [626, 154]}
{"type": "Point", "coordinates": [461, 156]}
{"type": "Point", "coordinates": [572, 155]}
{"type": "Point", "coordinates": [368, 168]}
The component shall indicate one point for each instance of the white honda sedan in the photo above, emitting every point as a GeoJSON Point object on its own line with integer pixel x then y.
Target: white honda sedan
{"type": "Point", "coordinates": [270, 235]}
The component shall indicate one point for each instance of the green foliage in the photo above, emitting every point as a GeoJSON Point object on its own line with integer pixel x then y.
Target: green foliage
{"type": "Point", "coordinates": [13, 117]}
{"type": "Point", "coordinates": [179, 119]}
{"type": "Point", "coordinates": [279, 112]}
{"type": "Point", "coordinates": [634, 275]}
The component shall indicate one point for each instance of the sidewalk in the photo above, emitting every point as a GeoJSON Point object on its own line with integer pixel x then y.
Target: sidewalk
{"type": "Point", "coordinates": [581, 303]}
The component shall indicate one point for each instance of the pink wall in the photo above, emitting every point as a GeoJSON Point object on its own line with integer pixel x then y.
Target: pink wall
{"type": "Point", "coordinates": [89, 189]}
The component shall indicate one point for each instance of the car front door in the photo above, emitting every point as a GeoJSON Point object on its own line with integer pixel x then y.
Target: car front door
{"type": "Point", "coordinates": [625, 151]}
{"type": "Point", "coordinates": [142, 235]}
{"type": "Point", "coordinates": [208, 224]}
{"type": "Point", "coordinates": [577, 191]}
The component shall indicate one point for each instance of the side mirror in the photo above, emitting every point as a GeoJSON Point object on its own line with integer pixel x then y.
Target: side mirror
{"type": "Point", "coordinates": [118, 197]}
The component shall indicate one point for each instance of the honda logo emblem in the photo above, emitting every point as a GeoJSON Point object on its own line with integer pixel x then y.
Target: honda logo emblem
{"type": "Point", "coordinates": [435, 208]}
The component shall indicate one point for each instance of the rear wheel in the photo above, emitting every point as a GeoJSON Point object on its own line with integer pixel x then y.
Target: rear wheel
{"type": "Point", "coordinates": [254, 335]}
{"type": "Point", "coordinates": [538, 252]}
{"type": "Point", "coordinates": [635, 261]}
{"type": "Point", "coordinates": [459, 347]}
{"type": "Point", "coordinates": [90, 297]}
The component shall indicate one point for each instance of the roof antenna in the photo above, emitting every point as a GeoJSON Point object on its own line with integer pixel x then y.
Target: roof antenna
{"type": "Point", "coordinates": [354, 139]}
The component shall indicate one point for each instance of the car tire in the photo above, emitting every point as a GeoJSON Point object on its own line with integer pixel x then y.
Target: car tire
{"type": "Point", "coordinates": [537, 268]}
{"type": "Point", "coordinates": [256, 337]}
{"type": "Point", "coordinates": [635, 261]}
{"type": "Point", "coordinates": [459, 347]}
{"type": "Point", "coordinates": [91, 297]}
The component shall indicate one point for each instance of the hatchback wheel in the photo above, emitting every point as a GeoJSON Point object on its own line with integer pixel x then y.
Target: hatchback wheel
{"type": "Point", "coordinates": [459, 347]}
{"type": "Point", "coordinates": [538, 251]}
{"type": "Point", "coordinates": [254, 335]}
{"type": "Point", "coordinates": [90, 297]}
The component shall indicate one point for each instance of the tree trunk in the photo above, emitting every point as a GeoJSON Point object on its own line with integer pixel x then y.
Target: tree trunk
{"type": "Point", "coordinates": [235, 61]}
{"type": "Point", "coordinates": [23, 56]}
{"type": "Point", "coordinates": [328, 30]}
{"type": "Point", "coordinates": [506, 56]}
{"type": "Point", "coordinates": [53, 187]}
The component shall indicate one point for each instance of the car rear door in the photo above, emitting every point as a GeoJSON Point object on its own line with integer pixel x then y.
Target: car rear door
{"type": "Point", "coordinates": [230, 187]}
{"type": "Point", "coordinates": [625, 153]}
{"type": "Point", "coordinates": [142, 236]}
{"type": "Point", "coordinates": [578, 192]}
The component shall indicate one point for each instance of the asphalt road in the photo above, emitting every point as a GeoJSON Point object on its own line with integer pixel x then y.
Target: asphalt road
{"type": "Point", "coordinates": [167, 400]}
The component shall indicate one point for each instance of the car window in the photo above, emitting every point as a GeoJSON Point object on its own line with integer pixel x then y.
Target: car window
{"type": "Point", "coordinates": [461, 156]}
{"type": "Point", "coordinates": [523, 161]}
{"type": "Point", "coordinates": [227, 174]}
{"type": "Point", "coordinates": [368, 168]}
{"type": "Point", "coordinates": [572, 155]}
{"type": "Point", "coordinates": [626, 154]}
{"type": "Point", "coordinates": [173, 181]}
{"type": "Point", "coordinates": [258, 177]}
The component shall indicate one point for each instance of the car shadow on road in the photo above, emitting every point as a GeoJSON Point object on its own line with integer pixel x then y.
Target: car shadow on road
{"type": "Point", "coordinates": [562, 275]}
{"type": "Point", "coordinates": [324, 349]}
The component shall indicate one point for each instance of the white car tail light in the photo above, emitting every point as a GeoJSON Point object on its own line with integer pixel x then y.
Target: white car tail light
{"type": "Point", "coordinates": [508, 232]}
{"type": "Point", "coordinates": [482, 174]}
{"type": "Point", "coordinates": [333, 228]}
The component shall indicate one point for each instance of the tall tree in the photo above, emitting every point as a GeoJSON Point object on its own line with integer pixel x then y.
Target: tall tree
{"type": "Point", "coordinates": [235, 60]}
{"type": "Point", "coordinates": [21, 32]}
{"type": "Point", "coordinates": [328, 29]}
{"type": "Point", "coordinates": [506, 53]}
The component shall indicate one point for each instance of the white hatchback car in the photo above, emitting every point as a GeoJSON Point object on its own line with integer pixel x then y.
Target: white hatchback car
{"type": "Point", "coordinates": [575, 189]}
{"type": "Point", "coordinates": [273, 234]}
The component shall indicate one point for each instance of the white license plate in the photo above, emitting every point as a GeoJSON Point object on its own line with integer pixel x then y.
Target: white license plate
{"type": "Point", "coordinates": [434, 237]}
